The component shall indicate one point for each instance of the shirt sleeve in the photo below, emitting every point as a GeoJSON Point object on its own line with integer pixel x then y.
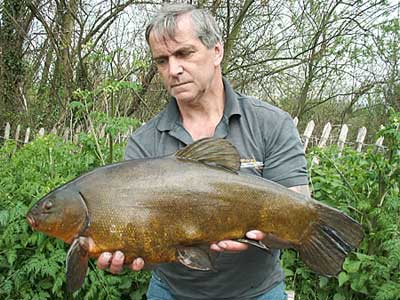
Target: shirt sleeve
{"type": "Point", "coordinates": [135, 149]}
{"type": "Point", "coordinates": [285, 161]}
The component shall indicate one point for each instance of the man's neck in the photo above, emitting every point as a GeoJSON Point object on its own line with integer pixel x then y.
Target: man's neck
{"type": "Point", "coordinates": [201, 117]}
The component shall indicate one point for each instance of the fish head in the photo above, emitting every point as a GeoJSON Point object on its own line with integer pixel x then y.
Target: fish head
{"type": "Point", "coordinates": [62, 214]}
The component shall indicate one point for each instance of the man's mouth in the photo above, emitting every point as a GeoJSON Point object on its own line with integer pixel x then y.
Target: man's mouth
{"type": "Point", "coordinates": [178, 84]}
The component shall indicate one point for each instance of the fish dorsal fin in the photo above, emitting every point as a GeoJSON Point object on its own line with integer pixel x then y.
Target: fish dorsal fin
{"type": "Point", "coordinates": [212, 151]}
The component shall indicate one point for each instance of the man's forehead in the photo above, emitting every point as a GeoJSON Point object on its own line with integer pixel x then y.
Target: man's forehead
{"type": "Point", "coordinates": [182, 31]}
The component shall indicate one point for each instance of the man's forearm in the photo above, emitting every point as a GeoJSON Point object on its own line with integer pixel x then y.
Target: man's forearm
{"type": "Point", "coordinates": [302, 189]}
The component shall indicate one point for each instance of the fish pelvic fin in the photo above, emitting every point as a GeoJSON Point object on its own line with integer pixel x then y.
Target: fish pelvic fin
{"type": "Point", "coordinates": [196, 258]}
{"type": "Point", "coordinates": [213, 152]}
{"type": "Point", "coordinates": [330, 241]}
{"type": "Point", "coordinates": [77, 263]}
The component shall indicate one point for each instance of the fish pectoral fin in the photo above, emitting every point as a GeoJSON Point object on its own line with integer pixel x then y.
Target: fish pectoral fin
{"type": "Point", "coordinates": [77, 263]}
{"type": "Point", "coordinates": [195, 258]}
{"type": "Point", "coordinates": [256, 243]}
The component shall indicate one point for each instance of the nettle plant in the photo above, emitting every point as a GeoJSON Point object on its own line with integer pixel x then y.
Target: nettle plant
{"type": "Point", "coordinates": [365, 186]}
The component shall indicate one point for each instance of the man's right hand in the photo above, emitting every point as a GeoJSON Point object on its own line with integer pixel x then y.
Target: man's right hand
{"type": "Point", "coordinates": [116, 262]}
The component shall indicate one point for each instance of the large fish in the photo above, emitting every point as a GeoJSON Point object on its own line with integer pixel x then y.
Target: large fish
{"type": "Point", "coordinates": [170, 209]}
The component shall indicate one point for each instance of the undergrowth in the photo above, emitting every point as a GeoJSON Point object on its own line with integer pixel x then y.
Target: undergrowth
{"type": "Point", "coordinates": [363, 185]}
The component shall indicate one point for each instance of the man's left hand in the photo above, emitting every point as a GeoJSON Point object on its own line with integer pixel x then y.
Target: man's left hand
{"type": "Point", "coordinates": [229, 245]}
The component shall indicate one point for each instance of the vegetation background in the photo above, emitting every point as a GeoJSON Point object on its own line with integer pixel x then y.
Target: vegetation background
{"type": "Point", "coordinates": [84, 64]}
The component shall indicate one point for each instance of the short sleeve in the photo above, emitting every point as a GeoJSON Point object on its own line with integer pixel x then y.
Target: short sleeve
{"type": "Point", "coordinates": [134, 149]}
{"type": "Point", "coordinates": [285, 161]}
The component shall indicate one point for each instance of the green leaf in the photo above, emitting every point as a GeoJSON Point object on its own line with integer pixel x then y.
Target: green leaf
{"type": "Point", "coordinates": [343, 278]}
{"type": "Point", "coordinates": [323, 281]}
{"type": "Point", "coordinates": [352, 266]}
{"type": "Point", "coordinates": [339, 297]}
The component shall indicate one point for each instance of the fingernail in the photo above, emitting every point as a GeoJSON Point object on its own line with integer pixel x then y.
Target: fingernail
{"type": "Point", "coordinates": [251, 235]}
{"type": "Point", "coordinates": [107, 256]}
{"type": "Point", "coordinates": [222, 245]}
{"type": "Point", "coordinates": [118, 255]}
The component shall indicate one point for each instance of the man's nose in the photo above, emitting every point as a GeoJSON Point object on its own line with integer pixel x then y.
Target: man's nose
{"type": "Point", "coordinates": [175, 67]}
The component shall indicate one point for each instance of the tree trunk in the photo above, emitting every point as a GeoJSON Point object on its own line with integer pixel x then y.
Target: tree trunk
{"type": "Point", "coordinates": [15, 23]}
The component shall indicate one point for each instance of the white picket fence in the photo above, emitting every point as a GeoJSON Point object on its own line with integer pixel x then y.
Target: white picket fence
{"type": "Point", "coordinates": [66, 134]}
{"type": "Point", "coordinates": [341, 140]}
{"type": "Point", "coordinates": [307, 137]}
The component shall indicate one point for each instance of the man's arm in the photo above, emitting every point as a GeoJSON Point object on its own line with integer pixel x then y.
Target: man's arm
{"type": "Point", "coordinates": [229, 245]}
{"type": "Point", "coordinates": [302, 189]}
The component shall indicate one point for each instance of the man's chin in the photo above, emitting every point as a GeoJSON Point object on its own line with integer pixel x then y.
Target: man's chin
{"type": "Point", "coordinates": [183, 97]}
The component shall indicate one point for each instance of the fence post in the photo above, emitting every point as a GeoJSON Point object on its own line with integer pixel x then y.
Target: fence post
{"type": "Point", "coordinates": [7, 131]}
{"type": "Point", "coordinates": [296, 121]}
{"type": "Point", "coordinates": [322, 143]}
{"type": "Point", "coordinates": [27, 133]}
{"type": "Point", "coordinates": [378, 144]}
{"type": "Point", "coordinates": [66, 134]}
{"type": "Point", "coordinates": [17, 133]}
{"type": "Point", "coordinates": [325, 135]}
{"type": "Point", "coordinates": [307, 133]}
{"type": "Point", "coordinates": [362, 132]}
{"type": "Point", "coordinates": [342, 138]}
{"type": "Point", "coordinates": [41, 132]}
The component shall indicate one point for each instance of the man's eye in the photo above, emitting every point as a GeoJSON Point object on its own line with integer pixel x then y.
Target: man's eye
{"type": "Point", "coordinates": [160, 61]}
{"type": "Point", "coordinates": [185, 53]}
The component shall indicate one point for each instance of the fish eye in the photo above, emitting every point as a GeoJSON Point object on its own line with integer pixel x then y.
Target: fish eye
{"type": "Point", "coordinates": [47, 205]}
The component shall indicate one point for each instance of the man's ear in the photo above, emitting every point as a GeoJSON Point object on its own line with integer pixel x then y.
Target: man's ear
{"type": "Point", "coordinates": [219, 53]}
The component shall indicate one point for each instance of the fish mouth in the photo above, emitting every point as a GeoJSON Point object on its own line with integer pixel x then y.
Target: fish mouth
{"type": "Point", "coordinates": [31, 220]}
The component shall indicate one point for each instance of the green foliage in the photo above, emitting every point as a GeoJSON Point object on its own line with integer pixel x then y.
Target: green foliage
{"type": "Point", "coordinates": [32, 265]}
{"type": "Point", "coordinates": [365, 186]}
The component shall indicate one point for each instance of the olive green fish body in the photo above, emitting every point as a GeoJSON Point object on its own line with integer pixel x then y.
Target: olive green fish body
{"type": "Point", "coordinates": [187, 203]}
{"type": "Point", "coordinates": [166, 209]}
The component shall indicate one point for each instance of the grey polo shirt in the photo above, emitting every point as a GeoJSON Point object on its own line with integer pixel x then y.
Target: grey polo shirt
{"type": "Point", "coordinates": [260, 132]}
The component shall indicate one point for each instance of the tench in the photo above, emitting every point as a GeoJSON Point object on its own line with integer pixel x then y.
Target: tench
{"type": "Point", "coordinates": [169, 209]}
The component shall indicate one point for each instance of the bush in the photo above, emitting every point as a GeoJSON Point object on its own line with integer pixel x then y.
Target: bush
{"type": "Point", "coordinates": [363, 185]}
{"type": "Point", "coordinates": [32, 266]}
{"type": "Point", "coordinates": [366, 187]}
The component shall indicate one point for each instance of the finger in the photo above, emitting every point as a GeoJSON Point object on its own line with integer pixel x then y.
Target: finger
{"type": "Point", "coordinates": [137, 264]}
{"type": "Point", "coordinates": [229, 245]}
{"type": "Point", "coordinates": [104, 260]}
{"type": "Point", "coordinates": [117, 262]}
{"type": "Point", "coordinates": [255, 235]}
{"type": "Point", "coordinates": [215, 247]}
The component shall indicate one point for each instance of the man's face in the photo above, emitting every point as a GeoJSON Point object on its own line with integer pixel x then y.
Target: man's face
{"type": "Point", "coordinates": [186, 66]}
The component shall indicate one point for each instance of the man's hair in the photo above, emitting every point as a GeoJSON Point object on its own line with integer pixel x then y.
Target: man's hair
{"type": "Point", "coordinates": [205, 26]}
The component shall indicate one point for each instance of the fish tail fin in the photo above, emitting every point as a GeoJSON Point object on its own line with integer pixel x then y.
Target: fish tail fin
{"type": "Point", "coordinates": [331, 239]}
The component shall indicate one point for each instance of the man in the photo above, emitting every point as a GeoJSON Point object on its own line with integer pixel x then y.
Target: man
{"type": "Point", "coordinates": [186, 47]}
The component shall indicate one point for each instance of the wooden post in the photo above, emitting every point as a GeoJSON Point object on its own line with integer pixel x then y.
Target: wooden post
{"type": "Point", "coordinates": [342, 138]}
{"type": "Point", "coordinates": [27, 133]}
{"type": "Point", "coordinates": [7, 131]}
{"type": "Point", "coordinates": [75, 137]}
{"type": "Point", "coordinates": [307, 133]}
{"type": "Point", "coordinates": [41, 132]}
{"type": "Point", "coordinates": [296, 121]}
{"type": "Point", "coordinates": [325, 135]}
{"type": "Point", "coordinates": [362, 132]}
{"type": "Point", "coordinates": [322, 143]}
{"type": "Point", "coordinates": [66, 134]}
{"type": "Point", "coordinates": [17, 133]}
{"type": "Point", "coordinates": [378, 144]}
{"type": "Point", "coordinates": [290, 295]}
